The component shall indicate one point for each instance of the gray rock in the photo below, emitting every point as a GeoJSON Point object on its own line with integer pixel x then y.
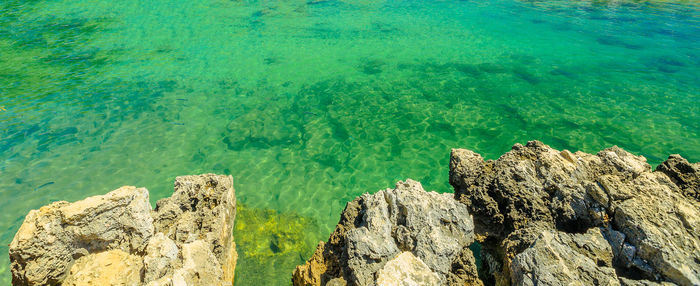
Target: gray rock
{"type": "Point", "coordinates": [616, 240]}
{"type": "Point", "coordinates": [376, 228]}
{"type": "Point", "coordinates": [663, 227]}
{"type": "Point", "coordinates": [52, 237]}
{"type": "Point", "coordinates": [558, 258]}
{"type": "Point", "coordinates": [650, 220]}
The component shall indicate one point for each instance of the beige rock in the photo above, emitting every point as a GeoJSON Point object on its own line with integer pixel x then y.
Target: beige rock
{"type": "Point", "coordinates": [51, 238]}
{"type": "Point", "coordinates": [663, 227]}
{"type": "Point", "coordinates": [464, 271]}
{"type": "Point", "coordinates": [406, 270]}
{"type": "Point", "coordinates": [110, 238]}
{"type": "Point", "coordinates": [202, 207]}
{"type": "Point", "coordinates": [199, 266]}
{"type": "Point", "coordinates": [337, 282]}
{"type": "Point", "coordinates": [161, 257]}
{"type": "Point", "coordinates": [310, 273]}
{"type": "Point", "coordinates": [113, 267]}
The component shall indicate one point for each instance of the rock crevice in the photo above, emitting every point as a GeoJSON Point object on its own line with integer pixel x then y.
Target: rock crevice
{"type": "Point", "coordinates": [535, 207]}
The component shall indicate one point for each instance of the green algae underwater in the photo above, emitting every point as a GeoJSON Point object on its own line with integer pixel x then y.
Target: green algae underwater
{"type": "Point", "coordinates": [309, 104]}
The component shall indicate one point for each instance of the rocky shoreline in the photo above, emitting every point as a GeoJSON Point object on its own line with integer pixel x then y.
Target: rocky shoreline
{"type": "Point", "coordinates": [550, 217]}
{"type": "Point", "coordinates": [116, 239]}
{"type": "Point", "coordinates": [427, 234]}
{"type": "Point", "coordinates": [540, 217]}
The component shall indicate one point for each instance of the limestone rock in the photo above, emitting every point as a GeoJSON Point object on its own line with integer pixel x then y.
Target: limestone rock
{"type": "Point", "coordinates": [558, 258]}
{"type": "Point", "coordinates": [112, 267]}
{"type": "Point", "coordinates": [311, 272]}
{"type": "Point", "coordinates": [374, 229]}
{"type": "Point", "coordinates": [110, 238]}
{"type": "Point", "coordinates": [161, 257]}
{"type": "Point", "coordinates": [683, 174]}
{"type": "Point", "coordinates": [199, 266]}
{"type": "Point", "coordinates": [464, 271]}
{"type": "Point", "coordinates": [663, 230]}
{"type": "Point", "coordinates": [51, 238]}
{"type": "Point", "coordinates": [630, 282]}
{"type": "Point", "coordinates": [649, 219]}
{"type": "Point", "coordinates": [201, 207]}
{"type": "Point", "coordinates": [406, 269]}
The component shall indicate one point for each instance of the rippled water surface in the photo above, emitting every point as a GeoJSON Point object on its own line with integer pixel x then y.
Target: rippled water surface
{"type": "Point", "coordinates": [311, 103]}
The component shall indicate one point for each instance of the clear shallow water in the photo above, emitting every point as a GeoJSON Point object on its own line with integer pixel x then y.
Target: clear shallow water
{"type": "Point", "coordinates": [309, 104]}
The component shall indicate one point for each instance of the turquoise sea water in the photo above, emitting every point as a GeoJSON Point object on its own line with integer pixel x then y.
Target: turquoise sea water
{"type": "Point", "coordinates": [311, 103]}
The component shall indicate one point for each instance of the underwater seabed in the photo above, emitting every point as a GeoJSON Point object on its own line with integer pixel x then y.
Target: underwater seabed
{"type": "Point", "coordinates": [310, 104]}
{"type": "Point", "coordinates": [271, 242]}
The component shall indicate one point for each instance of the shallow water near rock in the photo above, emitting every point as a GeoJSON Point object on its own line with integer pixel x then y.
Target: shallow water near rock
{"type": "Point", "coordinates": [309, 104]}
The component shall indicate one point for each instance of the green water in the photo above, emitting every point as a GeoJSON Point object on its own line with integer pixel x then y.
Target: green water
{"type": "Point", "coordinates": [309, 104]}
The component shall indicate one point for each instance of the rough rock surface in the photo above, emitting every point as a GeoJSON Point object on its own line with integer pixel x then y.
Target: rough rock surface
{"type": "Point", "coordinates": [117, 238]}
{"type": "Point", "coordinates": [564, 258]}
{"type": "Point", "coordinates": [197, 264]}
{"type": "Point", "coordinates": [374, 229]}
{"type": "Point", "coordinates": [202, 208]}
{"type": "Point", "coordinates": [406, 269]}
{"type": "Point", "coordinates": [683, 174]}
{"type": "Point", "coordinates": [54, 236]}
{"type": "Point", "coordinates": [161, 257]}
{"type": "Point", "coordinates": [534, 203]}
{"type": "Point", "coordinates": [112, 267]}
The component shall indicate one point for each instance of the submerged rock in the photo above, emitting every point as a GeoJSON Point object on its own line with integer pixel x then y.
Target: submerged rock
{"type": "Point", "coordinates": [116, 239]}
{"type": "Point", "coordinates": [264, 235]}
{"type": "Point", "coordinates": [378, 233]}
{"type": "Point", "coordinates": [540, 214]}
